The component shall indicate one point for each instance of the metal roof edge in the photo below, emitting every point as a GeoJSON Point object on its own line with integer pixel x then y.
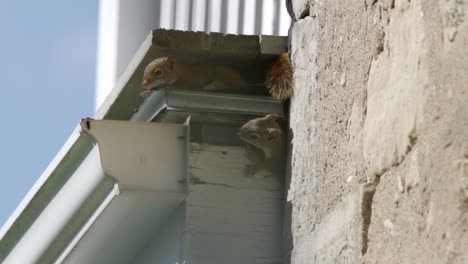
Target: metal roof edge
{"type": "Point", "coordinates": [64, 150]}
{"type": "Point", "coordinates": [67, 160]}
{"type": "Point", "coordinates": [115, 191]}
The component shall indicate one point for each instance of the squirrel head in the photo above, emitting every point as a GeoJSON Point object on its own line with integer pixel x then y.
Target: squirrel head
{"type": "Point", "coordinates": [159, 73]}
{"type": "Point", "coordinates": [262, 132]}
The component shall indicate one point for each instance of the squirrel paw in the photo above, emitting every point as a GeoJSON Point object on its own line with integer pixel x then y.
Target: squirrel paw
{"type": "Point", "coordinates": [149, 91]}
{"type": "Point", "coordinates": [145, 93]}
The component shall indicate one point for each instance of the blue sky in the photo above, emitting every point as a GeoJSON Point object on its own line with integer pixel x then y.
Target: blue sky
{"type": "Point", "coordinates": [47, 78]}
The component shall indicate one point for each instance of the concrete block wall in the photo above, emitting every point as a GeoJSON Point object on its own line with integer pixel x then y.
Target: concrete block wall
{"type": "Point", "coordinates": [380, 131]}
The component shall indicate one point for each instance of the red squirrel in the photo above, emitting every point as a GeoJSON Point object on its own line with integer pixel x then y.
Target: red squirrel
{"type": "Point", "coordinates": [279, 78]}
{"type": "Point", "coordinates": [168, 73]}
{"type": "Point", "coordinates": [264, 135]}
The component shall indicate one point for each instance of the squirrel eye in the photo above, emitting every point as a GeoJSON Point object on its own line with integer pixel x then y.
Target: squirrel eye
{"type": "Point", "coordinates": [158, 73]}
{"type": "Point", "coordinates": [254, 136]}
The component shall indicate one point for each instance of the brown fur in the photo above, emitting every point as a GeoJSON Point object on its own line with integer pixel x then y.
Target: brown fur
{"type": "Point", "coordinates": [264, 135]}
{"type": "Point", "coordinates": [167, 73]}
{"type": "Point", "coordinates": [279, 78]}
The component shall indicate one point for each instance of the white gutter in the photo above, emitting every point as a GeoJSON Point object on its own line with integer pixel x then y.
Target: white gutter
{"type": "Point", "coordinates": [59, 211]}
{"type": "Point", "coordinates": [88, 224]}
{"type": "Point", "coordinates": [30, 241]}
{"type": "Point", "coordinates": [40, 181]}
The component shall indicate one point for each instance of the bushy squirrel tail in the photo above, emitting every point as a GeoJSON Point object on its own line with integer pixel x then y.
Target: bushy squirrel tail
{"type": "Point", "coordinates": [279, 78]}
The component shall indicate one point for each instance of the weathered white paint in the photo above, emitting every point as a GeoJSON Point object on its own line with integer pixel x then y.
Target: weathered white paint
{"type": "Point", "coordinates": [231, 218]}
{"type": "Point", "coordinates": [165, 245]}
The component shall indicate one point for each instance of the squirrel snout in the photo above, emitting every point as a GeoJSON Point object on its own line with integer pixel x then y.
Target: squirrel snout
{"type": "Point", "coordinates": [145, 83]}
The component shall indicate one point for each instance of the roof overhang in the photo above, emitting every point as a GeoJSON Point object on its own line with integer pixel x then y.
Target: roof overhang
{"type": "Point", "coordinates": [75, 204]}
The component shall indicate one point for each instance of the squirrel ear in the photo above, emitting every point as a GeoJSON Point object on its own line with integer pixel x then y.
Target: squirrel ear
{"type": "Point", "coordinates": [272, 117]}
{"type": "Point", "coordinates": [273, 134]}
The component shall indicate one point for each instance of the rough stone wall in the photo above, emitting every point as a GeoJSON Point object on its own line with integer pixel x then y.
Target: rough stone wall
{"type": "Point", "coordinates": [380, 131]}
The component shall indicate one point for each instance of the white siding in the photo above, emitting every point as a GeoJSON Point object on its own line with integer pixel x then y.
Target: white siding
{"type": "Point", "coordinates": [198, 15]}
{"type": "Point", "coordinates": [182, 14]}
{"type": "Point", "coordinates": [124, 24]}
{"type": "Point", "coordinates": [106, 65]}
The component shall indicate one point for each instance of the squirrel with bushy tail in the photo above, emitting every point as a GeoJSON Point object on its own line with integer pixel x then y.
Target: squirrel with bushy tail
{"type": "Point", "coordinates": [168, 73]}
